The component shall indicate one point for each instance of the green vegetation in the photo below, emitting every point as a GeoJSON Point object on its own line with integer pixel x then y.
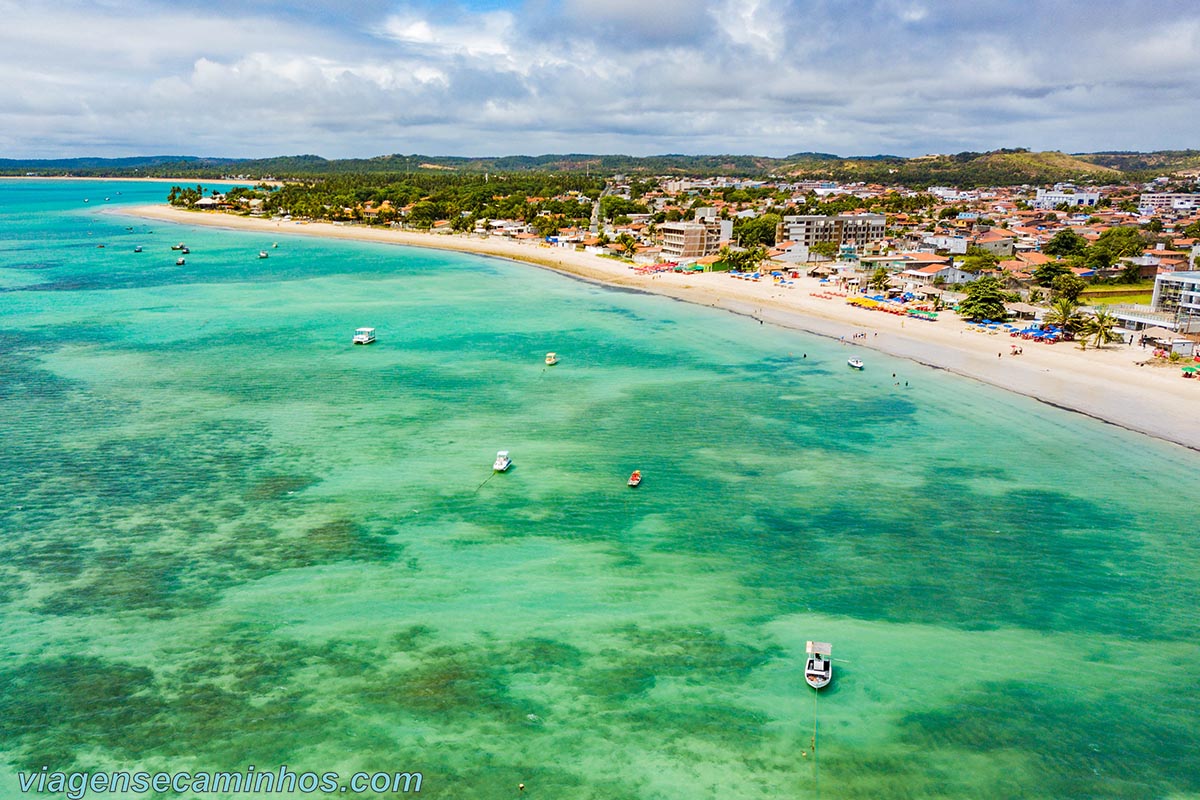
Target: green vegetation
{"type": "Point", "coordinates": [998, 168]}
{"type": "Point", "coordinates": [1065, 313]}
{"type": "Point", "coordinates": [627, 243]}
{"type": "Point", "coordinates": [756, 230]}
{"type": "Point", "coordinates": [1046, 274]}
{"type": "Point", "coordinates": [612, 207]}
{"type": "Point", "coordinates": [1066, 243]}
{"type": "Point", "coordinates": [745, 260]}
{"type": "Point", "coordinates": [977, 260]}
{"type": "Point", "coordinates": [985, 299]}
{"type": "Point", "coordinates": [1100, 329]}
{"type": "Point", "coordinates": [1068, 286]}
{"type": "Point", "coordinates": [547, 201]}
{"type": "Point", "coordinates": [826, 250]}
{"type": "Point", "coordinates": [1005, 167]}
{"type": "Point", "coordinates": [1158, 162]}
{"type": "Point", "coordinates": [1114, 298]}
{"type": "Point", "coordinates": [879, 279]}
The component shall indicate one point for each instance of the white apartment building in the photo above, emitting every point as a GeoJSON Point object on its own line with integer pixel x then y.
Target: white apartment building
{"type": "Point", "coordinates": [1064, 193]}
{"type": "Point", "coordinates": [1174, 306]}
{"type": "Point", "coordinates": [1168, 201]}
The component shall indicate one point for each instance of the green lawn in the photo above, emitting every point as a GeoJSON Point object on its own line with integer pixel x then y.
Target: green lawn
{"type": "Point", "coordinates": [1112, 298]}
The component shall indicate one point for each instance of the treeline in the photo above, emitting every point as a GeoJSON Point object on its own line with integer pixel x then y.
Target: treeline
{"type": "Point", "coordinates": [1007, 167]}
{"type": "Point", "coordinates": [965, 170]}
{"type": "Point", "coordinates": [549, 201]}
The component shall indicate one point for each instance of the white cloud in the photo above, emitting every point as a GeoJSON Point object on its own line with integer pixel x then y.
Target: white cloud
{"type": "Point", "coordinates": [760, 76]}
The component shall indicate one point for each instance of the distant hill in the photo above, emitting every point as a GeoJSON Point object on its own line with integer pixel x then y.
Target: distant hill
{"type": "Point", "coordinates": [8, 165]}
{"type": "Point", "coordinates": [1162, 162]}
{"type": "Point", "coordinates": [968, 169]}
{"type": "Point", "coordinates": [997, 168]}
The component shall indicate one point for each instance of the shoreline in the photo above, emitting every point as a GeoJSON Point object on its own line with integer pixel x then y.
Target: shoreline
{"type": "Point", "coordinates": [1106, 384]}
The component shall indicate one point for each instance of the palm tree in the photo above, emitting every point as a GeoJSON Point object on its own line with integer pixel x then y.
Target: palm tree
{"type": "Point", "coordinates": [754, 256]}
{"type": "Point", "coordinates": [880, 279]}
{"type": "Point", "coordinates": [1100, 328]}
{"type": "Point", "coordinates": [627, 243]}
{"type": "Point", "coordinates": [725, 256]}
{"type": "Point", "coordinates": [1065, 314]}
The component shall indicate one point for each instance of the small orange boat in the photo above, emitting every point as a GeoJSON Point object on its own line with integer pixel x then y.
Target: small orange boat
{"type": "Point", "coordinates": [635, 478]}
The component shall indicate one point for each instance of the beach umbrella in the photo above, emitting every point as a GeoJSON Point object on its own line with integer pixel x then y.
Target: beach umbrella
{"type": "Point", "coordinates": [1189, 369]}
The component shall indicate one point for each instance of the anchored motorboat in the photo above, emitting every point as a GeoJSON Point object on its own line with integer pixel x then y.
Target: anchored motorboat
{"type": "Point", "coordinates": [818, 668]}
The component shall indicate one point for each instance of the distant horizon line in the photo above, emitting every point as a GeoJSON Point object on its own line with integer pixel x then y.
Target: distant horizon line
{"type": "Point", "coordinates": [798, 154]}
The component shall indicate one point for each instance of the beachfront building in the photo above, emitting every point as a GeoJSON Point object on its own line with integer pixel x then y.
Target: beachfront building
{"type": "Point", "coordinates": [808, 229]}
{"type": "Point", "coordinates": [1064, 194]}
{"type": "Point", "coordinates": [1179, 293]}
{"type": "Point", "coordinates": [936, 274]}
{"type": "Point", "coordinates": [691, 240]}
{"type": "Point", "coordinates": [1175, 305]}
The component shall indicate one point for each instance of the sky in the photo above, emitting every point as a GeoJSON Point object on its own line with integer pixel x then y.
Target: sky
{"type": "Point", "coordinates": [257, 78]}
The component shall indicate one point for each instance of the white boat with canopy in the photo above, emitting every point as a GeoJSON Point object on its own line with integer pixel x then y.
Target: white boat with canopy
{"type": "Point", "coordinates": [818, 668]}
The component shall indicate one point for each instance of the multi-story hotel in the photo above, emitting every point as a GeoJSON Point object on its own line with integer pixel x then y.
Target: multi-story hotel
{"type": "Point", "coordinates": [683, 240]}
{"type": "Point", "coordinates": [809, 229]}
{"type": "Point", "coordinates": [1168, 201]}
{"type": "Point", "coordinates": [1174, 306]}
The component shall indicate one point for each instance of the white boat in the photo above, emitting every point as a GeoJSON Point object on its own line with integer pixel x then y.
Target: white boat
{"type": "Point", "coordinates": [364, 336]}
{"type": "Point", "coordinates": [179, 262]}
{"type": "Point", "coordinates": [635, 479]}
{"type": "Point", "coordinates": [503, 462]}
{"type": "Point", "coordinates": [137, 249]}
{"type": "Point", "coordinates": [818, 668]}
{"type": "Point", "coordinates": [855, 363]}
{"type": "Point", "coordinates": [177, 246]}
{"type": "Point", "coordinates": [551, 359]}
{"type": "Point", "coordinates": [262, 253]}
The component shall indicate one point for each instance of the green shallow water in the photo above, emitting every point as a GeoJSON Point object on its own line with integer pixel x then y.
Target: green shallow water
{"type": "Point", "coordinates": [227, 537]}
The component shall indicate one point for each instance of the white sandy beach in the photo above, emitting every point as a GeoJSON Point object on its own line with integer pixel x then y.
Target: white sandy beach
{"type": "Point", "coordinates": [1106, 384]}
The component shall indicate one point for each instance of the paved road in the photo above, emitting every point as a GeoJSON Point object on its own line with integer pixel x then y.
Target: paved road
{"type": "Point", "coordinates": [596, 211]}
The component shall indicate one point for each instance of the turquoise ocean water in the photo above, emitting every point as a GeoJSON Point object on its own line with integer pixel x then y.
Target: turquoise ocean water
{"type": "Point", "coordinates": [227, 537]}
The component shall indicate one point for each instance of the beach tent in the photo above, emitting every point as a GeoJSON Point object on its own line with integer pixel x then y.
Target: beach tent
{"type": "Point", "coordinates": [1158, 333]}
